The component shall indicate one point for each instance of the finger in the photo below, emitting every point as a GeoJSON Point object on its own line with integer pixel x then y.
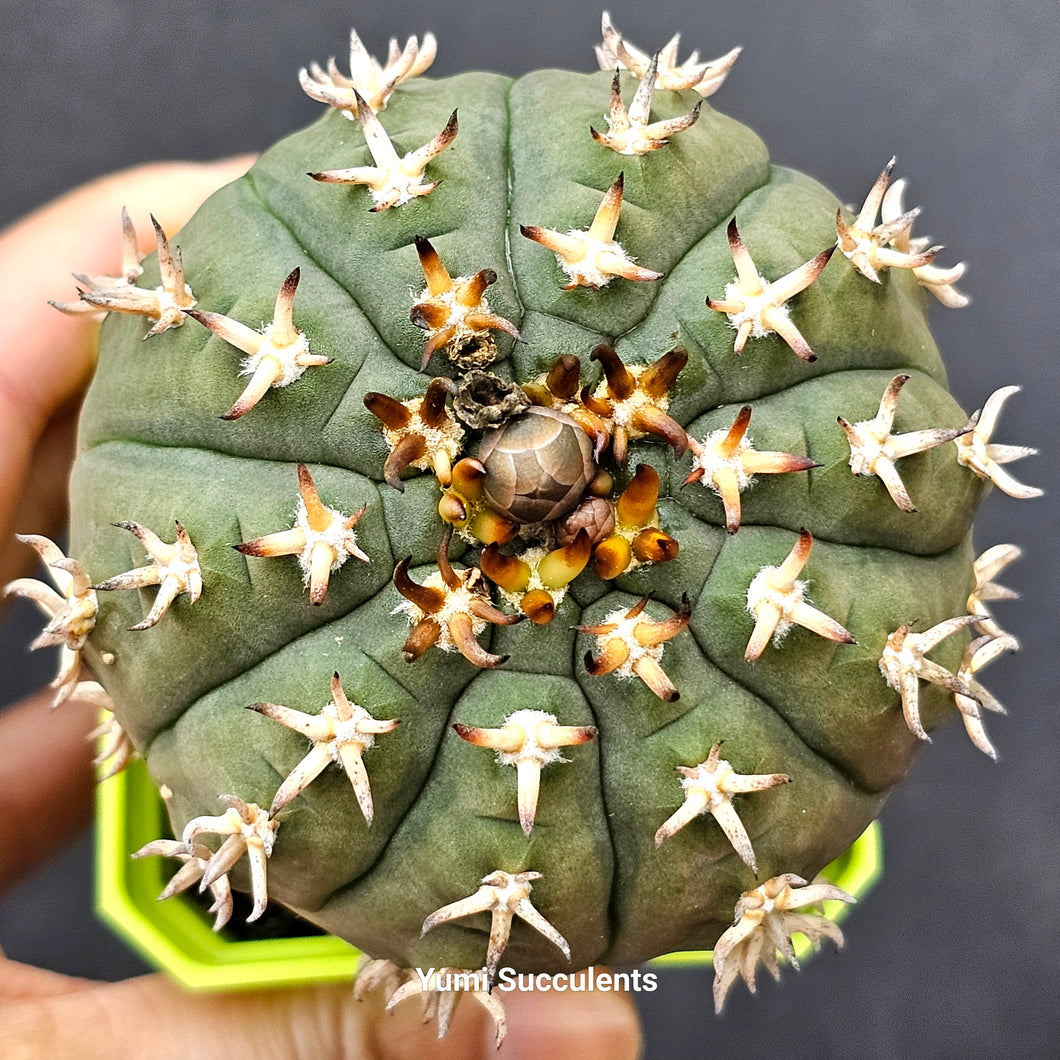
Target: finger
{"type": "Point", "coordinates": [46, 357]}
{"type": "Point", "coordinates": [42, 501]}
{"type": "Point", "coordinates": [46, 780]}
{"type": "Point", "coordinates": [22, 982]}
{"type": "Point", "coordinates": [150, 1016]}
{"type": "Point", "coordinates": [591, 1026]}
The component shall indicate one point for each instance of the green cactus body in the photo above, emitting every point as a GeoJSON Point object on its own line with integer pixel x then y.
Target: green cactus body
{"type": "Point", "coordinates": [155, 450]}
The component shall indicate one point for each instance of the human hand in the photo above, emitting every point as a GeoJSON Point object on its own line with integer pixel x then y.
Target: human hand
{"type": "Point", "coordinates": [46, 357]}
{"type": "Point", "coordinates": [46, 778]}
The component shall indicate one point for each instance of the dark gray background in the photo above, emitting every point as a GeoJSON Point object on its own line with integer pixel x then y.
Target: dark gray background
{"type": "Point", "coordinates": [956, 951]}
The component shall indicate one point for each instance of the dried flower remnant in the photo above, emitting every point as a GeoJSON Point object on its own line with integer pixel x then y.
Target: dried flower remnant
{"type": "Point", "coordinates": [71, 611]}
{"type": "Point", "coordinates": [987, 567]}
{"type": "Point", "coordinates": [276, 356]}
{"type": "Point", "coordinates": [420, 433]}
{"type": "Point", "coordinates": [757, 307]}
{"type": "Point", "coordinates": [631, 400]}
{"type": "Point", "coordinates": [765, 920]}
{"type": "Point", "coordinates": [322, 539]}
{"type": "Point", "coordinates": [174, 568]}
{"type": "Point", "coordinates": [196, 858]}
{"type": "Point", "coordinates": [904, 665]}
{"type": "Point", "coordinates": [630, 645]}
{"type": "Point", "coordinates": [442, 988]}
{"type": "Point", "coordinates": [392, 181]}
{"type": "Point", "coordinates": [340, 733]}
{"type": "Point", "coordinates": [869, 246]}
{"type": "Point", "coordinates": [874, 450]}
{"type": "Point", "coordinates": [482, 400]}
{"type": "Point", "coordinates": [538, 466]}
{"type": "Point", "coordinates": [455, 313]}
{"type": "Point", "coordinates": [976, 451]}
{"type": "Point", "coordinates": [528, 740]}
{"type": "Point", "coordinates": [977, 654]}
{"type": "Point", "coordinates": [777, 600]}
{"type": "Point", "coordinates": [726, 462]}
{"type": "Point", "coordinates": [591, 258]}
{"type": "Point", "coordinates": [248, 830]}
{"type": "Point", "coordinates": [504, 895]}
{"type": "Point", "coordinates": [594, 514]}
{"type": "Point", "coordinates": [374, 82]}
{"type": "Point", "coordinates": [450, 609]}
{"type": "Point", "coordinates": [709, 788]}
{"type": "Point", "coordinates": [704, 78]}
{"type": "Point", "coordinates": [166, 304]}
{"type": "Point", "coordinates": [630, 132]}
{"type": "Point", "coordinates": [939, 281]}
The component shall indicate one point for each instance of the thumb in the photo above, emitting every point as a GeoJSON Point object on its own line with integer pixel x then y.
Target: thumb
{"type": "Point", "coordinates": [150, 1016]}
{"type": "Point", "coordinates": [46, 358]}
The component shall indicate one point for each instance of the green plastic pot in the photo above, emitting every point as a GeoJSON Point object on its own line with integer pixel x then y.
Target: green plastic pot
{"type": "Point", "coordinates": [176, 937]}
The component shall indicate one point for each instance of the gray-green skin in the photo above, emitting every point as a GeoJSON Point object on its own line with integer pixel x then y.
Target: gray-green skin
{"type": "Point", "coordinates": [154, 449]}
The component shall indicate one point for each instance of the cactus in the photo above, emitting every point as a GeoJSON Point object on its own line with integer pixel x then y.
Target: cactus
{"type": "Point", "coordinates": [587, 545]}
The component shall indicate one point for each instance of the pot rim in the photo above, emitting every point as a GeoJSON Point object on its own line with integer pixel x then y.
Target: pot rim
{"type": "Point", "coordinates": [176, 935]}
